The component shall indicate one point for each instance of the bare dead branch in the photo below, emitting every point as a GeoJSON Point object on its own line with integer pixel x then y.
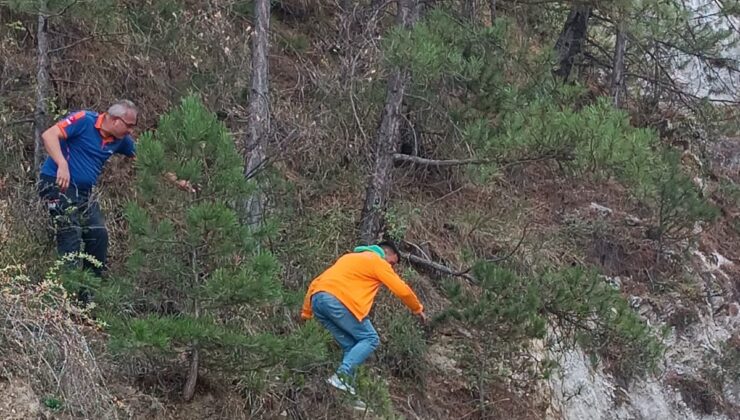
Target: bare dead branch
{"type": "Point", "coordinates": [440, 163]}
{"type": "Point", "coordinates": [437, 266]}
{"type": "Point", "coordinates": [465, 273]}
{"type": "Point", "coordinates": [400, 157]}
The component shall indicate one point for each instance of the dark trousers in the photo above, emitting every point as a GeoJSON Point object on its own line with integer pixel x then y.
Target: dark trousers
{"type": "Point", "coordinates": [77, 221]}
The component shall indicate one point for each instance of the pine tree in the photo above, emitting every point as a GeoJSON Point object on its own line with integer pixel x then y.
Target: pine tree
{"type": "Point", "coordinates": [192, 257]}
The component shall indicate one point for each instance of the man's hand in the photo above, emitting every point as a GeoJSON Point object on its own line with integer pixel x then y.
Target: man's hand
{"type": "Point", "coordinates": [422, 317]}
{"type": "Point", "coordinates": [63, 177]}
{"type": "Point", "coordinates": [182, 184]}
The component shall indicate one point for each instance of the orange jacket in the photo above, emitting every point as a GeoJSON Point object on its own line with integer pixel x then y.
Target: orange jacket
{"type": "Point", "coordinates": [355, 279]}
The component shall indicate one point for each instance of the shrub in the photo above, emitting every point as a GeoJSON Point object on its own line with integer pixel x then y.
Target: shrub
{"type": "Point", "coordinates": [574, 304]}
{"type": "Point", "coordinates": [404, 348]}
{"type": "Point", "coordinates": [40, 341]}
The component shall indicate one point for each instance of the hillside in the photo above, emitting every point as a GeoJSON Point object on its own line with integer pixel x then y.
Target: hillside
{"type": "Point", "coordinates": [565, 197]}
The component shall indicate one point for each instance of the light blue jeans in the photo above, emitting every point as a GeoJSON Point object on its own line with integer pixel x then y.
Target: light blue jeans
{"type": "Point", "coordinates": [357, 339]}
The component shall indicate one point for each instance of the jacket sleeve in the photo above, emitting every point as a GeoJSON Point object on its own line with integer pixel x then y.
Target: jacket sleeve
{"type": "Point", "coordinates": [306, 312]}
{"type": "Point", "coordinates": [398, 287]}
{"type": "Point", "coordinates": [72, 125]}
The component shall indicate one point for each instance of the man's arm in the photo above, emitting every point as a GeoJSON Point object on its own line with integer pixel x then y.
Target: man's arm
{"type": "Point", "coordinates": [306, 312]}
{"type": "Point", "coordinates": [51, 137]}
{"type": "Point", "coordinates": [398, 287]}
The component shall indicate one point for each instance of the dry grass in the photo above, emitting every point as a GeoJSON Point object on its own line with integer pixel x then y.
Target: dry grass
{"type": "Point", "coordinates": [41, 342]}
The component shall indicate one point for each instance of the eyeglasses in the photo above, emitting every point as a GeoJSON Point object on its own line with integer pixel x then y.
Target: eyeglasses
{"type": "Point", "coordinates": [127, 124]}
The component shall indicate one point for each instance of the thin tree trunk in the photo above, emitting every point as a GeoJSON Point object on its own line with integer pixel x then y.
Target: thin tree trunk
{"type": "Point", "coordinates": [387, 140]}
{"type": "Point", "coordinates": [471, 9]}
{"type": "Point", "coordinates": [189, 389]}
{"type": "Point", "coordinates": [571, 39]}
{"type": "Point", "coordinates": [492, 5]}
{"type": "Point", "coordinates": [192, 379]}
{"type": "Point", "coordinates": [40, 118]}
{"type": "Point", "coordinates": [259, 109]}
{"type": "Point", "coordinates": [617, 85]}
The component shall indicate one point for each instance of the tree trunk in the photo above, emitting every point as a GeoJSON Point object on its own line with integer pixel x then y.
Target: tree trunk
{"type": "Point", "coordinates": [259, 110]}
{"type": "Point", "coordinates": [617, 85]}
{"type": "Point", "coordinates": [387, 140]}
{"type": "Point", "coordinates": [40, 118]}
{"type": "Point", "coordinates": [192, 379]}
{"type": "Point", "coordinates": [571, 39]}
{"type": "Point", "coordinates": [492, 6]}
{"type": "Point", "coordinates": [470, 10]}
{"type": "Point", "coordinates": [189, 389]}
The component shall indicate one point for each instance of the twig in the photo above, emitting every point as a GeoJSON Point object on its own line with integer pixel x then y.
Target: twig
{"type": "Point", "coordinates": [18, 122]}
{"type": "Point", "coordinates": [82, 40]}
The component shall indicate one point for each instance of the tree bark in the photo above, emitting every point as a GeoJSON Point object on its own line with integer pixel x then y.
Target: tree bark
{"type": "Point", "coordinates": [492, 6]}
{"type": "Point", "coordinates": [40, 116]}
{"type": "Point", "coordinates": [617, 83]}
{"type": "Point", "coordinates": [259, 110]}
{"type": "Point", "coordinates": [471, 9]}
{"type": "Point", "coordinates": [192, 379]}
{"type": "Point", "coordinates": [387, 140]}
{"type": "Point", "coordinates": [189, 389]}
{"type": "Point", "coordinates": [571, 39]}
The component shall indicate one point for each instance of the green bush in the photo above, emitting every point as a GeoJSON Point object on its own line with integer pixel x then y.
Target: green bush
{"type": "Point", "coordinates": [513, 310]}
{"type": "Point", "coordinates": [498, 99]}
{"type": "Point", "coordinates": [404, 347]}
{"type": "Point", "coordinates": [197, 275]}
{"type": "Point", "coordinates": [678, 201]}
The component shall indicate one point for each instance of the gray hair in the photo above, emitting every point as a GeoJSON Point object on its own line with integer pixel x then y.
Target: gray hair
{"type": "Point", "coordinates": [121, 107]}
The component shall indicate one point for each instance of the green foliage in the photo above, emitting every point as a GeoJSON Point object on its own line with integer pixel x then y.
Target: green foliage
{"type": "Point", "coordinates": [192, 255]}
{"type": "Point", "coordinates": [501, 101]}
{"type": "Point", "coordinates": [374, 392]}
{"type": "Point", "coordinates": [307, 346]}
{"type": "Point", "coordinates": [89, 9]}
{"type": "Point", "coordinates": [53, 403]}
{"type": "Point", "coordinates": [244, 8]}
{"type": "Point", "coordinates": [293, 44]}
{"type": "Point", "coordinates": [404, 347]}
{"type": "Point", "coordinates": [397, 221]}
{"type": "Point", "coordinates": [677, 199]}
{"type": "Point", "coordinates": [514, 310]}
{"type": "Point", "coordinates": [160, 17]}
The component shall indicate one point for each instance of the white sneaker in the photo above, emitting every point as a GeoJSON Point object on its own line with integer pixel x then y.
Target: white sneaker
{"type": "Point", "coordinates": [337, 383]}
{"type": "Point", "coordinates": [360, 405]}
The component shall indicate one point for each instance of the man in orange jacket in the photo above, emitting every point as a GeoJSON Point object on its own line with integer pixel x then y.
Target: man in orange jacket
{"type": "Point", "coordinates": [342, 296]}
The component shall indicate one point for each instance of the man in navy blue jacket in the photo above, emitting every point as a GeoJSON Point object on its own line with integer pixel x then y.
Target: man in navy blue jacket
{"type": "Point", "coordinates": [78, 147]}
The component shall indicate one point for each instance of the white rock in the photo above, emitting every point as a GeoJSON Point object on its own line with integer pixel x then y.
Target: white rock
{"type": "Point", "coordinates": [604, 211]}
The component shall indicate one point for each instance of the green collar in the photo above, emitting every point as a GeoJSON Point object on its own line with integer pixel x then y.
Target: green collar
{"type": "Point", "coordinates": [372, 248]}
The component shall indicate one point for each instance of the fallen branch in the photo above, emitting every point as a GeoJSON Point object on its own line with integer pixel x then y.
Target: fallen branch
{"type": "Point", "coordinates": [438, 267]}
{"type": "Point", "coordinates": [459, 273]}
{"type": "Point", "coordinates": [441, 163]}
{"type": "Point", "coordinates": [400, 157]}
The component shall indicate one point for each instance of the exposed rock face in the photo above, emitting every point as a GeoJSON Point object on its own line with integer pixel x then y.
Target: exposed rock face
{"type": "Point", "coordinates": [581, 391]}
